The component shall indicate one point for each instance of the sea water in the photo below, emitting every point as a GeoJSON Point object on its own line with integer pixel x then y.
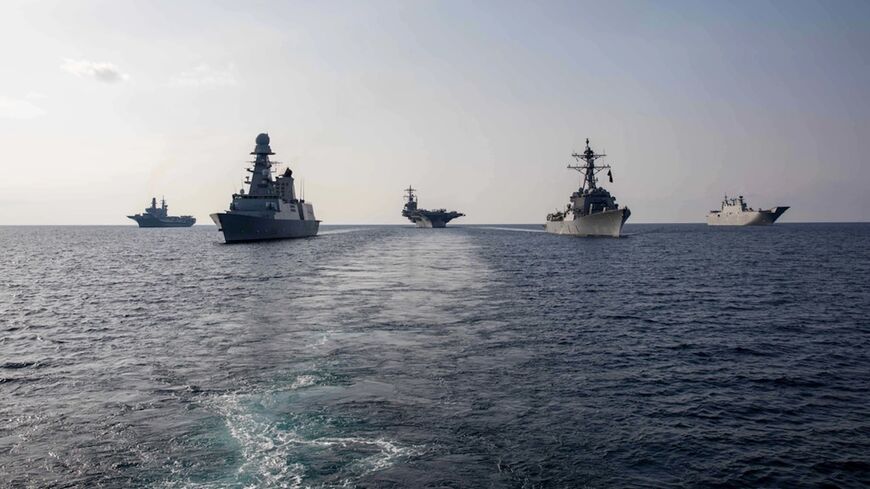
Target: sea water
{"type": "Point", "coordinates": [472, 356]}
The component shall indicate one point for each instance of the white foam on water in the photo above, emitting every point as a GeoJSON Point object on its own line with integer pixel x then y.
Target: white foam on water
{"type": "Point", "coordinates": [542, 230]}
{"type": "Point", "coordinates": [388, 453]}
{"type": "Point", "coordinates": [304, 381]}
{"type": "Point", "coordinates": [337, 231]}
{"type": "Point", "coordinates": [264, 460]}
{"type": "Point", "coordinates": [268, 447]}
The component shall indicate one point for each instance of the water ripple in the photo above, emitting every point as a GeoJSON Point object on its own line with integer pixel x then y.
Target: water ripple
{"type": "Point", "coordinates": [479, 356]}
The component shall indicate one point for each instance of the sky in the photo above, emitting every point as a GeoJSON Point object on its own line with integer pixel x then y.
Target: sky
{"type": "Point", "coordinates": [478, 105]}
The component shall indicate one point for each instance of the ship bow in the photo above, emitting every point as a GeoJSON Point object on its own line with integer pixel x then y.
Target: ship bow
{"type": "Point", "coordinates": [607, 223]}
{"type": "Point", "coordinates": [778, 211]}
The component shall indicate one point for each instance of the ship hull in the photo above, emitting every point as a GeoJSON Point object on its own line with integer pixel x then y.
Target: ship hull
{"type": "Point", "coordinates": [607, 223]}
{"type": "Point", "coordinates": [152, 222]}
{"type": "Point", "coordinates": [748, 218]}
{"type": "Point", "coordinates": [240, 228]}
{"type": "Point", "coordinates": [431, 223]}
{"type": "Point", "coordinates": [426, 219]}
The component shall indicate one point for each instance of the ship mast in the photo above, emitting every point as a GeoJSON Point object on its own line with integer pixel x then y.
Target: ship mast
{"type": "Point", "coordinates": [589, 169]}
{"type": "Point", "coordinates": [411, 197]}
{"type": "Point", "coordinates": [261, 174]}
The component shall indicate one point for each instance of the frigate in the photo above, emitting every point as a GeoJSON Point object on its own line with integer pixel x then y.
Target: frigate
{"type": "Point", "coordinates": [424, 218]}
{"type": "Point", "coordinates": [591, 211]}
{"type": "Point", "coordinates": [158, 217]}
{"type": "Point", "coordinates": [270, 208]}
{"type": "Point", "coordinates": [735, 212]}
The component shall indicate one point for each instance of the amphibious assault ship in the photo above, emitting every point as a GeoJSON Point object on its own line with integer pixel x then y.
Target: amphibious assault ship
{"type": "Point", "coordinates": [424, 218]}
{"type": "Point", "coordinates": [735, 212]}
{"type": "Point", "coordinates": [158, 217]}
{"type": "Point", "coordinates": [270, 209]}
{"type": "Point", "coordinates": [592, 211]}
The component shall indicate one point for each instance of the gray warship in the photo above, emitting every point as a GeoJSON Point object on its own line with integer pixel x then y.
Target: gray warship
{"type": "Point", "coordinates": [592, 211]}
{"type": "Point", "coordinates": [424, 218]}
{"type": "Point", "coordinates": [158, 217]}
{"type": "Point", "coordinates": [735, 212]}
{"type": "Point", "coordinates": [270, 209]}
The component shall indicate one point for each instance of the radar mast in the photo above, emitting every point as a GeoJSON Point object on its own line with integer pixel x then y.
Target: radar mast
{"type": "Point", "coordinates": [589, 169]}
{"type": "Point", "coordinates": [411, 197]}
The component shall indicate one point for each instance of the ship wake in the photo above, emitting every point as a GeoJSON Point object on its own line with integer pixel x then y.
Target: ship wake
{"type": "Point", "coordinates": [278, 447]}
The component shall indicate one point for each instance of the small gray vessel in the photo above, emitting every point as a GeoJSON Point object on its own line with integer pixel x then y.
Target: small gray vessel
{"type": "Point", "coordinates": [592, 211]}
{"type": "Point", "coordinates": [158, 217]}
{"type": "Point", "coordinates": [735, 212]}
{"type": "Point", "coordinates": [424, 218]}
{"type": "Point", "coordinates": [270, 208]}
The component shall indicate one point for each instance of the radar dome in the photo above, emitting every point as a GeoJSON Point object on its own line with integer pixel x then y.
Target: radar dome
{"type": "Point", "coordinates": [262, 147]}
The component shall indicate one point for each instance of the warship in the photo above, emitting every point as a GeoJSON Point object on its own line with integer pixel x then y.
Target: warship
{"type": "Point", "coordinates": [592, 211]}
{"type": "Point", "coordinates": [735, 212]}
{"type": "Point", "coordinates": [158, 217]}
{"type": "Point", "coordinates": [424, 218]}
{"type": "Point", "coordinates": [270, 208]}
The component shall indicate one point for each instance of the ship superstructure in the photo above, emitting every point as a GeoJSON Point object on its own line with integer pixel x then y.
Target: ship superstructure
{"type": "Point", "coordinates": [158, 217]}
{"type": "Point", "coordinates": [270, 209]}
{"type": "Point", "coordinates": [591, 211]}
{"type": "Point", "coordinates": [424, 218]}
{"type": "Point", "coordinates": [735, 212]}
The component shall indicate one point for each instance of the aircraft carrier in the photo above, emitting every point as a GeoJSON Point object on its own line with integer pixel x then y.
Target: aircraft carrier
{"type": "Point", "coordinates": [735, 212]}
{"type": "Point", "coordinates": [158, 217]}
{"type": "Point", "coordinates": [591, 211]}
{"type": "Point", "coordinates": [424, 218]}
{"type": "Point", "coordinates": [270, 208]}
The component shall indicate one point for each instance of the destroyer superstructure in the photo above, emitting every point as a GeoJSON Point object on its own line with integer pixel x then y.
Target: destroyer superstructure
{"type": "Point", "coordinates": [158, 217]}
{"type": "Point", "coordinates": [592, 211]}
{"type": "Point", "coordinates": [735, 212]}
{"type": "Point", "coordinates": [270, 208]}
{"type": "Point", "coordinates": [424, 218]}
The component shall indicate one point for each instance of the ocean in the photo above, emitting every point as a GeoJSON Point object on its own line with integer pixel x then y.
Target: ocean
{"type": "Point", "coordinates": [472, 357]}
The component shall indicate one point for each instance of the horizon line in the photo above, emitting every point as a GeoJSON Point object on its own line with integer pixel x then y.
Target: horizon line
{"type": "Point", "coordinates": [411, 225]}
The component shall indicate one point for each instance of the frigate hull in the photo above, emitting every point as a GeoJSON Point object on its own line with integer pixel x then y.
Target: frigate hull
{"type": "Point", "coordinates": [606, 223]}
{"type": "Point", "coordinates": [153, 222]}
{"type": "Point", "coordinates": [239, 228]}
{"type": "Point", "coordinates": [745, 218]}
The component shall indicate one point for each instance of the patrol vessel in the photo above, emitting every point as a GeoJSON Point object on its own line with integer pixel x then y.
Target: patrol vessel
{"type": "Point", "coordinates": [591, 211]}
{"type": "Point", "coordinates": [270, 208]}
{"type": "Point", "coordinates": [735, 212]}
{"type": "Point", "coordinates": [425, 218]}
{"type": "Point", "coordinates": [158, 217]}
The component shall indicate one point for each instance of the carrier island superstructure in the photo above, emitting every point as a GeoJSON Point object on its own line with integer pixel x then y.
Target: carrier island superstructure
{"type": "Point", "coordinates": [270, 208]}
{"type": "Point", "coordinates": [424, 218]}
{"type": "Point", "coordinates": [591, 211]}
{"type": "Point", "coordinates": [735, 212]}
{"type": "Point", "coordinates": [158, 217]}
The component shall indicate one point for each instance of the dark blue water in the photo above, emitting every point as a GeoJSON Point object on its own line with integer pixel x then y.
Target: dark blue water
{"type": "Point", "coordinates": [680, 356]}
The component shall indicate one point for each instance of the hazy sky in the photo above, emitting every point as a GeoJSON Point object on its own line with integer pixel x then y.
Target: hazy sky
{"type": "Point", "coordinates": [477, 104]}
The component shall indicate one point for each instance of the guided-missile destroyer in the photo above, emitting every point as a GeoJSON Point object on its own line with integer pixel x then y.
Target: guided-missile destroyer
{"type": "Point", "coordinates": [270, 208]}
{"type": "Point", "coordinates": [158, 217]}
{"type": "Point", "coordinates": [592, 211]}
{"type": "Point", "coordinates": [735, 212]}
{"type": "Point", "coordinates": [424, 218]}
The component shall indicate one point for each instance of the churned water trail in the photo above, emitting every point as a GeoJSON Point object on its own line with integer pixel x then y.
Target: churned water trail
{"type": "Point", "coordinates": [526, 229]}
{"type": "Point", "coordinates": [472, 356]}
{"type": "Point", "coordinates": [338, 230]}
